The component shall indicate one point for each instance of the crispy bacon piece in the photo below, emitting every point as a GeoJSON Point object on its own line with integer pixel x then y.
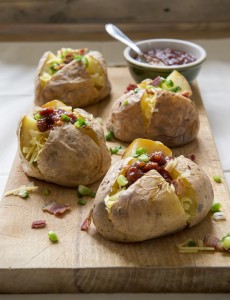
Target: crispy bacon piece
{"type": "Point", "coordinates": [86, 223]}
{"type": "Point", "coordinates": [212, 241]}
{"type": "Point", "coordinates": [56, 208]}
{"type": "Point", "coordinates": [38, 224]}
{"type": "Point", "coordinates": [130, 87]}
{"type": "Point", "coordinates": [156, 81]}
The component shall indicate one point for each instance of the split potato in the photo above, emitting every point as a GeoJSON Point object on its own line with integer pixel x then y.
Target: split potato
{"type": "Point", "coordinates": [149, 193]}
{"type": "Point", "coordinates": [76, 77]}
{"type": "Point", "coordinates": [158, 109]}
{"type": "Point", "coordinates": [63, 146]}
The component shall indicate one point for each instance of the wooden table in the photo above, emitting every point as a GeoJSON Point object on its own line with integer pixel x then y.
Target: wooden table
{"type": "Point", "coordinates": [86, 262]}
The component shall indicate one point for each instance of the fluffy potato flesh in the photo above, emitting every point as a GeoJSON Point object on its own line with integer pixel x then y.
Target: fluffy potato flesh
{"type": "Point", "coordinates": [162, 200]}
{"type": "Point", "coordinates": [96, 71]}
{"type": "Point", "coordinates": [70, 152]}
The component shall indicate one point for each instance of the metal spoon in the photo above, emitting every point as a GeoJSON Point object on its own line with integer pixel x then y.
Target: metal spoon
{"type": "Point", "coordinates": [119, 35]}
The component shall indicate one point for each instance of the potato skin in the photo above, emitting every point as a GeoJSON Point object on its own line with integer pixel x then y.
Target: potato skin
{"type": "Point", "coordinates": [70, 156]}
{"type": "Point", "coordinates": [149, 208]}
{"type": "Point", "coordinates": [72, 84]}
{"type": "Point", "coordinates": [199, 184]}
{"type": "Point", "coordinates": [174, 121]}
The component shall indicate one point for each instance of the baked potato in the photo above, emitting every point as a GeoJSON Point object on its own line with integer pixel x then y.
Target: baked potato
{"type": "Point", "coordinates": [149, 193]}
{"type": "Point", "coordinates": [76, 77]}
{"type": "Point", "coordinates": [63, 146]}
{"type": "Point", "coordinates": [156, 109]}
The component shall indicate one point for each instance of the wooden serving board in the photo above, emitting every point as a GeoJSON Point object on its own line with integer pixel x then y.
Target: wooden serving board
{"type": "Point", "coordinates": [86, 262]}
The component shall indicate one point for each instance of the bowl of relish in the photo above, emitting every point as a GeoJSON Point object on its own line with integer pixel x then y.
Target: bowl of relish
{"type": "Point", "coordinates": [162, 56]}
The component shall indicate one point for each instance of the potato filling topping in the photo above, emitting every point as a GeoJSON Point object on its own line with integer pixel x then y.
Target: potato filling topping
{"type": "Point", "coordinates": [49, 117]}
{"type": "Point", "coordinates": [145, 163]}
{"type": "Point", "coordinates": [175, 82]}
{"type": "Point", "coordinates": [67, 55]}
{"type": "Point", "coordinates": [141, 164]}
{"type": "Point", "coordinates": [36, 144]}
{"type": "Point", "coordinates": [35, 131]}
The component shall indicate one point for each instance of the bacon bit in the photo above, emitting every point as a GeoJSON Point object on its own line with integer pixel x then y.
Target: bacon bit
{"type": "Point", "coordinates": [86, 223]}
{"type": "Point", "coordinates": [192, 157]}
{"type": "Point", "coordinates": [212, 241]}
{"type": "Point", "coordinates": [56, 208]}
{"type": "Point", "coordinates": [68, 58]}
{"type": "Point", "coordinates": [59, 123]}
{"type": "Point", "coordinates": [38, 224]}
{"type": "Point", "coordinates": [130, 87]}
{"type": "Point", "coordinates": [157, 81]}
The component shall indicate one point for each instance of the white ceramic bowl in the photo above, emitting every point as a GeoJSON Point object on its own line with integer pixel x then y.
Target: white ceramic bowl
{"type": "Point", "coordinates": [141, 70]}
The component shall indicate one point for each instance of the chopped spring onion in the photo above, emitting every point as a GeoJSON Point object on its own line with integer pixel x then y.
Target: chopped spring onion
{"type": "Point", "coordinates": [126, 102]}
{"type": "Point", "coordinates": [143, 157]}
{"type": "Point", "coordinates": [115, 150]}
{"type": "Point", "coordinates": [191, 243]}
{"type": "Point", "coordinates": [82, 58]}
{"type": "Point", "coordinates": [169, 83]}
{"type": "Point", "coordinates": [175, 89]}
{"type": "Point", "coordinates": [109, 136]}
{"type": "Point", "coordinates": [226, 243]}
{"type": "Point", "coordinates": [140, 151]}
{"type": "Point", "coordinates": [224, 237]}
{"type": "Point", "coordinates": [53, 236]}
{"type": "Point", "coordinates": [46, 192]}
{"type": "Point", "coordinates": [216, 207]}
{"type": "Point", "coordinates": [23, 193]}
{"type": "Point", "coordinates": [82, 201]}
{"type": "Point", "coordinates": [217, 178]}
{"type": "Point", "coordinates": [65, 118]}
{"type": "Point", "coordinates": [149, 87]}
{"type": "Point", "coordinates": [122, 180]}
{"type": "Point", "coordinates": [37, 116]}
{"type": "Point", "coordinates": [80, 122]}
{"type": "Point", "coordinates": [85, 191]}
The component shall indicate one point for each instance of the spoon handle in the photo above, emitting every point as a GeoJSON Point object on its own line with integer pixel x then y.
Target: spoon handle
{"type": "Point", "coordinates": [119, 35]}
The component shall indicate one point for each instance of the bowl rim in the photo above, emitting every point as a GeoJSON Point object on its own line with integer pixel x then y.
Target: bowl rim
{"type": "Point", "coordinates": [198, 61]}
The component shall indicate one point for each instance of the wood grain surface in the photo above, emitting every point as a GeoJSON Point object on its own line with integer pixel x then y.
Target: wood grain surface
{"type": "Point", "coordinates": [86, 262]}
{"type": "Point", "coordinates": [53, 20]}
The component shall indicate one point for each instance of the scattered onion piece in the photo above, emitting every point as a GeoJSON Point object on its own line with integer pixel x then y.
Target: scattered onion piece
{"type": "Point", "coordinates": [219, 216]}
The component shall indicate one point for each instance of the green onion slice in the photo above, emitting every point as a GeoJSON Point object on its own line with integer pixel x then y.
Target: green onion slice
{"type": "Point", "coordinates": [65, 118]}
{"type": "Point", "coordinates": [143, 157]}
{"type": "Point", "coordinates": [53, 236]}
{"type": "Point", "coordinates": [122, 180]}
{"type": "Point", "coordinates": [80, 123]}
{"type": "Point", "coordinates": [109, 136]}
{"type": "Point", "coordinates": [115, 150]}
{"type": "Point", "coordinates": [216, 207]}
{"type": "Point", "coordinates": [217, 179]}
